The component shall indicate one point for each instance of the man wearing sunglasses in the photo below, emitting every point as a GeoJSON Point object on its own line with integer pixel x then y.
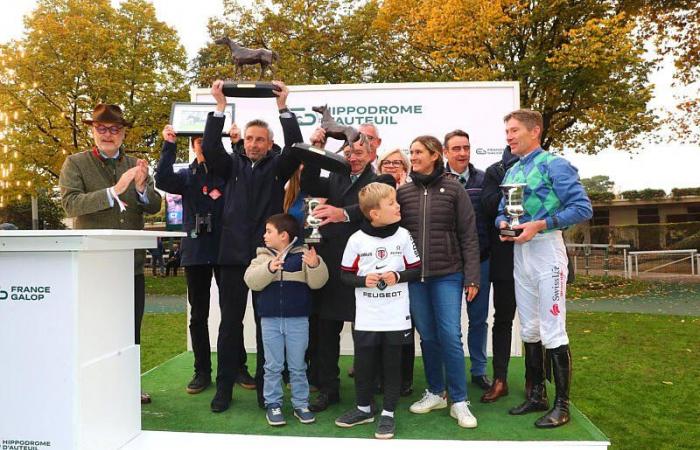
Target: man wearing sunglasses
{"type": "Point", "coordinates": [103, 188]}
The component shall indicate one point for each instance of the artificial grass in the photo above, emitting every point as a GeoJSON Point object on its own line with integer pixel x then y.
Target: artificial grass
{"type": "Point", "coordinates": [635, 376]}
{"type": "Point", "coordinates": [175, 410]}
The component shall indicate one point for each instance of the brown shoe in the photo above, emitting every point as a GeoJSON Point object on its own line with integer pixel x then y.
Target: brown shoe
{"type": "Point", "coordinates": [499, 388]}
{"type": "Point", "coordinates": [145, 398]}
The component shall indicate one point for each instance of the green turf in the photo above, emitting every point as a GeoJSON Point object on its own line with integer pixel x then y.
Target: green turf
{"type": "Point", "coordinates": [175, 410]}
{"type": "Point", "coordinates": [162, 337]}
{"type": "Point", "coordinates": [636, 377]}
{"type": "Point", "coordinates": [168, 286]}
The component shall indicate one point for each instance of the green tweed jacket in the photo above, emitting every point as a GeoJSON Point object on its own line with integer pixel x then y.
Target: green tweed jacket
{"type": "Point", "coordinates": [84, 181]}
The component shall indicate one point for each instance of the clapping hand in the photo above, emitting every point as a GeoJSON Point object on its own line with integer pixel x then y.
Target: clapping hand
{"type": "Point", "coordinates": [125, 180]}
{"type": "Point", "coordinates": [141, 175]}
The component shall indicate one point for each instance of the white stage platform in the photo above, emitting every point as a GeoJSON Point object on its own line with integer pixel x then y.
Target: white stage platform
{"type": "Point", "coordinates": [161, 440]}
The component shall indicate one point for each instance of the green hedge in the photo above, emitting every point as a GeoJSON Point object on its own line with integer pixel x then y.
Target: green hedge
{"type": "Point", "coordinates": [601, 196]}
{"type": "Point", "coordinates": [644, 194]}
{"type": "Point", "coordinates": [680, 192]}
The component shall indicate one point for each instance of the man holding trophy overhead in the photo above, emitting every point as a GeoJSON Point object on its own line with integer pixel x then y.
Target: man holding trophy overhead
{"type": "Point", "coordinates": [254, 192]}
{"type": "Point", "coordinates": [544, 189]}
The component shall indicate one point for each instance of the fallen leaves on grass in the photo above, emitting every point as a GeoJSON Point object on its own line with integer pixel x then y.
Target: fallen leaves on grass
{"type": "Point", "coordinates": [668, 383]}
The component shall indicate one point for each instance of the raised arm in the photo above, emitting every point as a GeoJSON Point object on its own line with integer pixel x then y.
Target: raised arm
{"type": "Point", "coordinates": [166, 178]}
{"type": "Point", "coordinates": [287, 163]}
{"type": "Point", "coordinates": [218, 160]}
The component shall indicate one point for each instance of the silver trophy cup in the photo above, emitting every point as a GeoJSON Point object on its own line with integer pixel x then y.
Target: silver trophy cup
{"type": "Point", "coordinates": [513, 194]}
{"type": "Point", "coordinates": [311, 222]}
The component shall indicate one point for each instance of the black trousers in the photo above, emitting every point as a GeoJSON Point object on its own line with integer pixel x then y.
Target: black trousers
{"type": "Point", "coordinates": [231, 354]}
{"type": "Point", "coordinates": [408, 356]}
{"type": "Point", "coordinates": [327, 355]}
{"type": "Point", "coordinates": [198, 295]}
{"type": "Point", "coordinates": [233, 295]}
{"type": "Point", "coordinates": [504, 306]}
{"type": "Point", "coordinates": [311, 352]}
{"type": "Point", "coordinates": [139, 305]}
{"type": "Point", "coordinates": [367, 367]}
{"type": "Point", "coordinates": [171, 265]}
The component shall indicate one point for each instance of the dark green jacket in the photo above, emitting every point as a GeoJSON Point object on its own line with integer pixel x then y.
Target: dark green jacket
{"type": "Point", "coordinates": [84, 181]}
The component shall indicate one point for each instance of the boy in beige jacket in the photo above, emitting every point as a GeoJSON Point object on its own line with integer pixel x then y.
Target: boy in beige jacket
{"type": "Point", "coordinates": [285, 274]}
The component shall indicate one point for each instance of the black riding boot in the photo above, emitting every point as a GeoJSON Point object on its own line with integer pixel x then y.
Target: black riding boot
{"type": "Point", "coordinates": [534, 372]}
{"type": "Point", "coordinates": [559, 414]}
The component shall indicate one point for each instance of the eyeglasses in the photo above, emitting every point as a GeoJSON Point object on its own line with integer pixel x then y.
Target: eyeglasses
{"type": "Point", "coordinates": [389, 162]}
{"type": "Point", "coordinates": [112, 130]}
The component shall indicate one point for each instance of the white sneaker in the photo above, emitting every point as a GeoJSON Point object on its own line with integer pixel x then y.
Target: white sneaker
{"type": "Point", "coordinates": [460, 411]}
{"type": "Point", "coordinates": [428, 403]}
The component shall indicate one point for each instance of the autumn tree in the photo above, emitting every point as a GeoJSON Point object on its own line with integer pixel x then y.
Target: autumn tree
{"type": "Point", "coordinates": [580, 63]}
{"type": "Point", "coordinates": [322, 41]}
{"type": "Point", "coordinates": [598, 184]}
{"type": "Point", "coordinates": [675, 27]}
{"type": "Point", "coordinates": [75, 54]}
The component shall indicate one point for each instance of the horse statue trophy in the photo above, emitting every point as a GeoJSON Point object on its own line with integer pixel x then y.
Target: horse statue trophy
{"type": "Point", "coordinates": [243, 56]}
{"type": "Point", "coordinates": [326, 159]}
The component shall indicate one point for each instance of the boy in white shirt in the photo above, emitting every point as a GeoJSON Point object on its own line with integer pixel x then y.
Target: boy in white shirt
{"type": "Point", "coordinates": [379, 260]}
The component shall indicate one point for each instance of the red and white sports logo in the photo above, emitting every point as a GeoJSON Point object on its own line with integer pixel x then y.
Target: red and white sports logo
{"type": "Point", "coordinates": [555, 310]}
{"type": "Point", "coordinates": [381, 253]}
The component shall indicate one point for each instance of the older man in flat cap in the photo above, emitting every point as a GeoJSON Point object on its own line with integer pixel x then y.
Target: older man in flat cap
{"type": "Point", "coordinates": [103, 188]}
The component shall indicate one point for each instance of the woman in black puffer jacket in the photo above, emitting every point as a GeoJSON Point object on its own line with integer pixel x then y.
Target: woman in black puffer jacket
{"type": "Point", "coordinates": [437, 211]}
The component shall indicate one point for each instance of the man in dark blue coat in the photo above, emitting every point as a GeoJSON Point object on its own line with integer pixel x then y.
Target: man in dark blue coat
{"type": "Point", "coordinates": [254, 191]}
{"type": "Point", "coordinates": [457, 149]}
{"type": "Point", "coordinates": [501, 275]}
{"type": "Point", "coordinates": [202, 194]}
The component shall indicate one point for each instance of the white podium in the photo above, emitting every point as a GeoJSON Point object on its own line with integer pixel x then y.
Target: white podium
{"type": "Point", "coordinates": [70, 372]}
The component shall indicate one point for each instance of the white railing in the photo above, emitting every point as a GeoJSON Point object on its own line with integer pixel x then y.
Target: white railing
{"type": "Point", "coordinates": [683, 255]}
{"type": "Point", "coordinates": [607, 251]}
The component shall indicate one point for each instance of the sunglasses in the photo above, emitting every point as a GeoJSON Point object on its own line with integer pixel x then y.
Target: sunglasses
{"type": "Point", "coordinates": [101, 129]}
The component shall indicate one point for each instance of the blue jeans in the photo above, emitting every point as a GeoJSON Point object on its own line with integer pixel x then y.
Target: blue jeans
{"type": "Point", "coordinates": [436, 306]}
{"type": "Point", "coordinates": [290, 334]}
{"type": "Point", "coordinates": [478, 311]}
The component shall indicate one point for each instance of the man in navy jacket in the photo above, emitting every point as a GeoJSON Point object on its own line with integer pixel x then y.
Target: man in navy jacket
{"type": "Point", "coordinates": [254, 191]}
{"type": "Point", "coordinates": [202, 194]}
{"type": "Point", "coordinates": [458, 151]}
